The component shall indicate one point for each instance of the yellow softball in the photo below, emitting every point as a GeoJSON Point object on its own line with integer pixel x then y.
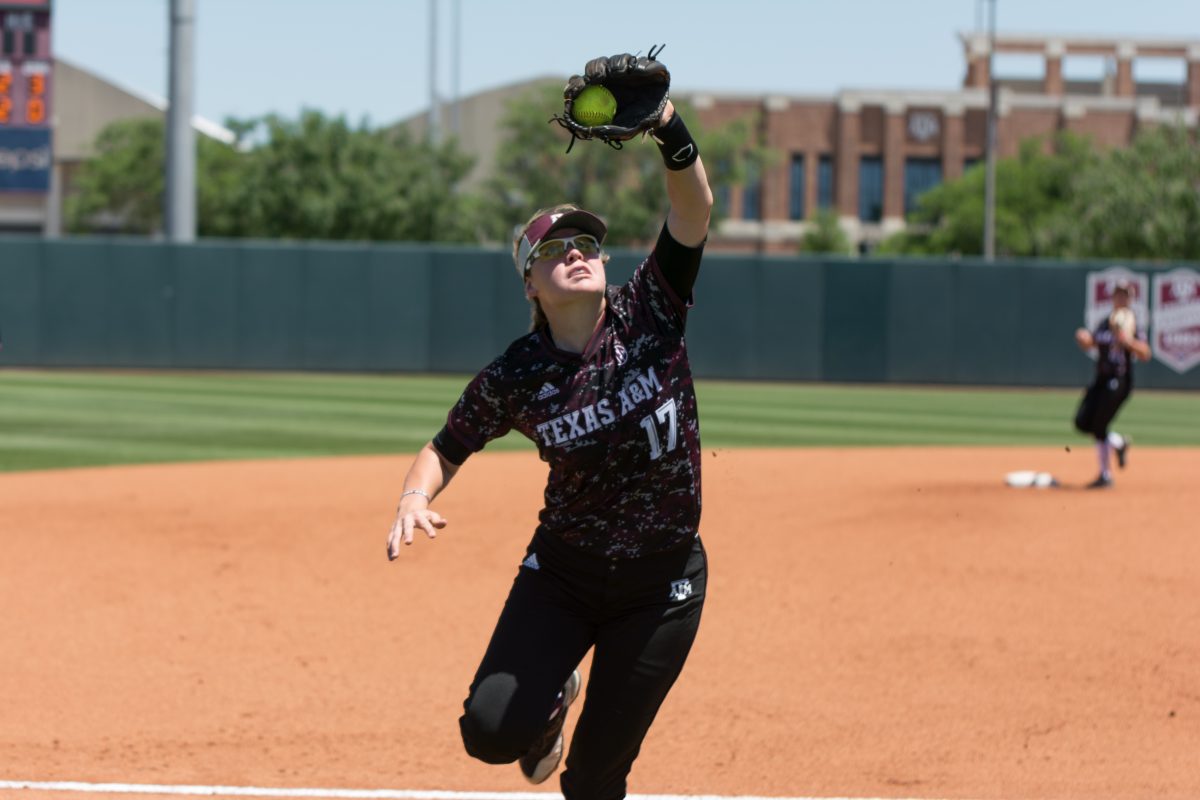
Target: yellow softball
{"type": "Point", "coordinates": [595, 105]}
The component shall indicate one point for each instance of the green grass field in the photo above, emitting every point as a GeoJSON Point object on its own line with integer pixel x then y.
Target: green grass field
{"type": "Point", "coordinates": [51, 419]}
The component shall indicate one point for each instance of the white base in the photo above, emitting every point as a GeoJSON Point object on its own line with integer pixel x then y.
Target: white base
{"type": "Point", "coordinates": [1023, 479]}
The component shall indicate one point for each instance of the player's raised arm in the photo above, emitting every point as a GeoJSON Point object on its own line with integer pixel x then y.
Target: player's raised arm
{"type": "Point", "coordinates": [623, 96]}
{"type": "Point", "coordinates": [687, 184]}
{"type": "Point", "coordinates": [1139, 347]}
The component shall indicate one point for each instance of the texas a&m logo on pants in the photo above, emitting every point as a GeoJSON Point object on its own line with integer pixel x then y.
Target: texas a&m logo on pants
{"type": "Point", "coordinates": [680, 590]}
{"type": "Point", "coordinates": [1176, 303]}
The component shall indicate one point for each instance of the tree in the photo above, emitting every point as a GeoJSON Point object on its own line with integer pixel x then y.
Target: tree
{"type": "Point", "coordinates": [319, 178]}
{"type": "Point", "coordinates": [825, 235]}
{"type": "Point", "coordinates": [120, 189]}
{"type": "Point", "coordinates": [1069, 201]}
{"type": "Point", "coordinates": [534, 169]}
{"type": "Point", "coordinates": [309, 178]}
{"type": "Point", "coordinates": [1034, 194]}
{"type": "Point", "coordinates": [1141, 202]}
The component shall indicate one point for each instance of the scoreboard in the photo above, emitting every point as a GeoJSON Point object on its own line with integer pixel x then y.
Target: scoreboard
{"type": "Point", "coordinates": [25, 95]}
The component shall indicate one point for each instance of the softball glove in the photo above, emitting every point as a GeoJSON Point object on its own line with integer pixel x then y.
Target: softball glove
{"type": "Point", "coordinates": [641, 87]}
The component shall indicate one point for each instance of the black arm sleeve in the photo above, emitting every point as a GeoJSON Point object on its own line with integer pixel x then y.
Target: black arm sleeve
{"type": "Point", "coordinates": [451, 449]}
{"type": "Point", "coordinates": [679, 264]}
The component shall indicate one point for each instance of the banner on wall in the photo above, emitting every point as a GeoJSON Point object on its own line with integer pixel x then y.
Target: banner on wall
{"type": "Point", "coordinates": [25, 160]}
{"type": "Point", "coordinates": [1098, 303]}
{"type": "Point", "coordinates": [1176, 318]}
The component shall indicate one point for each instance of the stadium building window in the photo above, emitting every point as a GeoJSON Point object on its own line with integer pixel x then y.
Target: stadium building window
{"type": "Point", "coordinates": [30, 43]}
{"type": "Point", "coordinates": [752, 193]}
{"type": "Point", "coordinates": [796, 187]}
{"type": "Point", "coordinates": [870, 189]}
{"type": "Point", "coordinates": [825, 197]}
{"type": "Point", "coordinates": [920, 175]}
{"type": "Point", "coordinates": [721, 196]}
{"type": "Point", "coordinates": [9, 43]}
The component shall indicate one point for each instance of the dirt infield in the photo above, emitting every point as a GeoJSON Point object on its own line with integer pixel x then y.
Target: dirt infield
{"type": "Point", "coordinates": [889, 623]}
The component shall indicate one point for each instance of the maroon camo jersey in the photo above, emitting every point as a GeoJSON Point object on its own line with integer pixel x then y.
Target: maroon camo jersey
{"type": "Point", "coordinates": [617, 423]}
{"type": "Point", "coordinates": [1113, 360]}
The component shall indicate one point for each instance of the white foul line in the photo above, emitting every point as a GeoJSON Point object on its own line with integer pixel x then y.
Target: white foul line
{"type": "Point", "coordinates": [354, 794]}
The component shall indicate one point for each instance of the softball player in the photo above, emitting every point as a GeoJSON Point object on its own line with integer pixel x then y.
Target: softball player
{"type": "Point", "coordinates": [602, 386]}
{"type": "Point", "coordinates": [1117, 340]}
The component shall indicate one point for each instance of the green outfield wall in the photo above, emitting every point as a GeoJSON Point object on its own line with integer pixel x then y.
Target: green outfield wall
{"type": "Point", "coordinates": [419, 308]}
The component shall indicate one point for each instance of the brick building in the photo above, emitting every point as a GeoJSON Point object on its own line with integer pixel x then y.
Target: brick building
{"type": "Point", "coordinates": [869, 154]}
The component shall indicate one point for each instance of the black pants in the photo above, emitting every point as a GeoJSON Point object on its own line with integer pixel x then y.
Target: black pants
{"type": "Point", "coordinates": [1100, 404]}
{"type": "Point", "coordinates": [641, 615]}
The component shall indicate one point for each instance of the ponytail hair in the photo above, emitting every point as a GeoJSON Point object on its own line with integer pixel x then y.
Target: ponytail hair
{"type": "Point", "coordinates": [537, 317]}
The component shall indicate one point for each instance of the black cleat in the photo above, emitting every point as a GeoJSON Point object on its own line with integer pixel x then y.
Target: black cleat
{"type": "Point", "coordinates": [1101, 482]}
{"type": "Point", "coordinates": [1122, 451]}
{"type": "Point", "coordinates": [544, 757]}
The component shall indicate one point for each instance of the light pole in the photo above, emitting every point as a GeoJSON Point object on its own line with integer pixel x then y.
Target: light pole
{"type": "Point", "coordinates": [435, 112]}
{"type": "Point", "coordinates": [455, 65]}
{"type": "Point", "coordinates": [180, 196]}
{"type": "Point", "coordinates": [989, 190]}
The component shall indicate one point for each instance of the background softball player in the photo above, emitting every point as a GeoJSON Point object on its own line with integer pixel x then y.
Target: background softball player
{"type": "Point", "coordinates": [1117, 340]}
{"type": "Point", "coordinates": [603, 387]}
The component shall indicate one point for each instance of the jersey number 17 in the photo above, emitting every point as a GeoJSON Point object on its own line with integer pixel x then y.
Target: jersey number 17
{"type": "Point", "coordinates": [665, 415]}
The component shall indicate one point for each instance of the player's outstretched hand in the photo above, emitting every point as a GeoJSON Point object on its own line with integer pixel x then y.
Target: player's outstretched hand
{"type": "Point", "coordinates": [407, 524]}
